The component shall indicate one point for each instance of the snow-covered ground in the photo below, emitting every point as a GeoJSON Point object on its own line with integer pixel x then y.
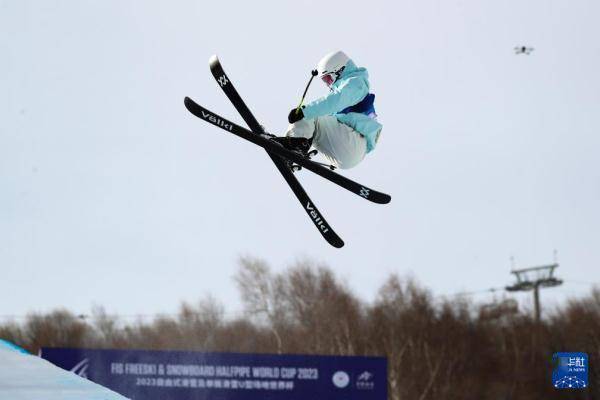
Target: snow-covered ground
{"type": "Point", "coordinates": [27, 377]}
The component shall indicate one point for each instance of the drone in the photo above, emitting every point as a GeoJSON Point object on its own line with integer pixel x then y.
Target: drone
{"type": "Point", "coordinates": [523, 50]}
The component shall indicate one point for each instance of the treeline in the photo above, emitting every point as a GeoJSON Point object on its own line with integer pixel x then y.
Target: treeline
{"type": "Point", "coordinates": [436, 349]}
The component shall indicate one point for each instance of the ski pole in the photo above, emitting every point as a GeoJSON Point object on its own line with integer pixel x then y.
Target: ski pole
{"type": "Point", "coordinates": [313, 73]}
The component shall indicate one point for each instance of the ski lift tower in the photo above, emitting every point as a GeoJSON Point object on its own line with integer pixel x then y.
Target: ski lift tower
{"type": "Point", "coordinates": [534, 278]}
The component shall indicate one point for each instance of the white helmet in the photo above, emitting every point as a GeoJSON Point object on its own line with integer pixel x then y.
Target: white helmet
{"type": "Point", "coordinates": [331, 66]}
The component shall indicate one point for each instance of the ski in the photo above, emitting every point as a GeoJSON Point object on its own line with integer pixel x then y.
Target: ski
{"type": "Point", "coordinates": [316, 217]}
{"type": "Point", "coordinates": [271, 146]}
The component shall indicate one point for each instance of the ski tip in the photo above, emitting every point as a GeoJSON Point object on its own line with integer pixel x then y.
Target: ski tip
{"type": "Point", "coordinates": [189, 103]}
{"type": "Point", "coordinates": [192, 106]}
{"type": "Point", "coordinates": [338, 243]}
{"type": "Point", "coordinates": [376, 197]}
{"type": "Point", "coordinates": [213, 60]}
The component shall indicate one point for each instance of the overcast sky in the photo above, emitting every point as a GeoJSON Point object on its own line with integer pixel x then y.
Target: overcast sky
{"type": "Point", "coordinates": [111, 193]}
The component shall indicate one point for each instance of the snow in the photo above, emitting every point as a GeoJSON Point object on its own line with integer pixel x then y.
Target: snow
{"type": "Point", "coordinates": [27, 377]}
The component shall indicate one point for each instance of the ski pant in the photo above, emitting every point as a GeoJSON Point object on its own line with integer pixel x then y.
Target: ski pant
{"type": "Point", "coordinates": [341, 145]}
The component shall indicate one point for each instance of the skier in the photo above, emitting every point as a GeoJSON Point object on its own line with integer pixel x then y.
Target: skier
{"type": "Point", "coordinates": [355, 136]}
{"type": "Point", "coordinates": [343, 124]}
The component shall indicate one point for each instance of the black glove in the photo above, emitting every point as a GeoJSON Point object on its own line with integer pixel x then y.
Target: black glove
{"type": "Point", "coordinates": [295, 115]}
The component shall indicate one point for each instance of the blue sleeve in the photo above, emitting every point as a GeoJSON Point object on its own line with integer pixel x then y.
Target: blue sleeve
{"type": "Point", "coordinates": [347, 94]}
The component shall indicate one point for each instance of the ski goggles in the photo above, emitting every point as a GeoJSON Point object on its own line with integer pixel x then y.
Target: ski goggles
{"type": "Point", "coordinates": [328, 79]}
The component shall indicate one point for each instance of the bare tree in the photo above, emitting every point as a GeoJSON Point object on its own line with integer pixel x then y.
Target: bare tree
{"type": "Point", "coordinates": [199, 327]}
{"type": "Point", "coordinates": [327, 313]}
{"type": "Point", "coordinates": [261, 294]}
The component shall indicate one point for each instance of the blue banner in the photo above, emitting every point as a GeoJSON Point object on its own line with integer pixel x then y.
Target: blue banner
{"type": "Point", "coordinates": [177, 375]}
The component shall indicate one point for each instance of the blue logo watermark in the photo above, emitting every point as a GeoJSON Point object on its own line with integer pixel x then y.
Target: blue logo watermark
{"type": "Point", "coordinates": [570, 370]}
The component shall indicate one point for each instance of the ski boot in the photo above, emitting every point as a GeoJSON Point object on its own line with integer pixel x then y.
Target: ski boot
{"type": "Point", "coordinates": [296, 144]}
